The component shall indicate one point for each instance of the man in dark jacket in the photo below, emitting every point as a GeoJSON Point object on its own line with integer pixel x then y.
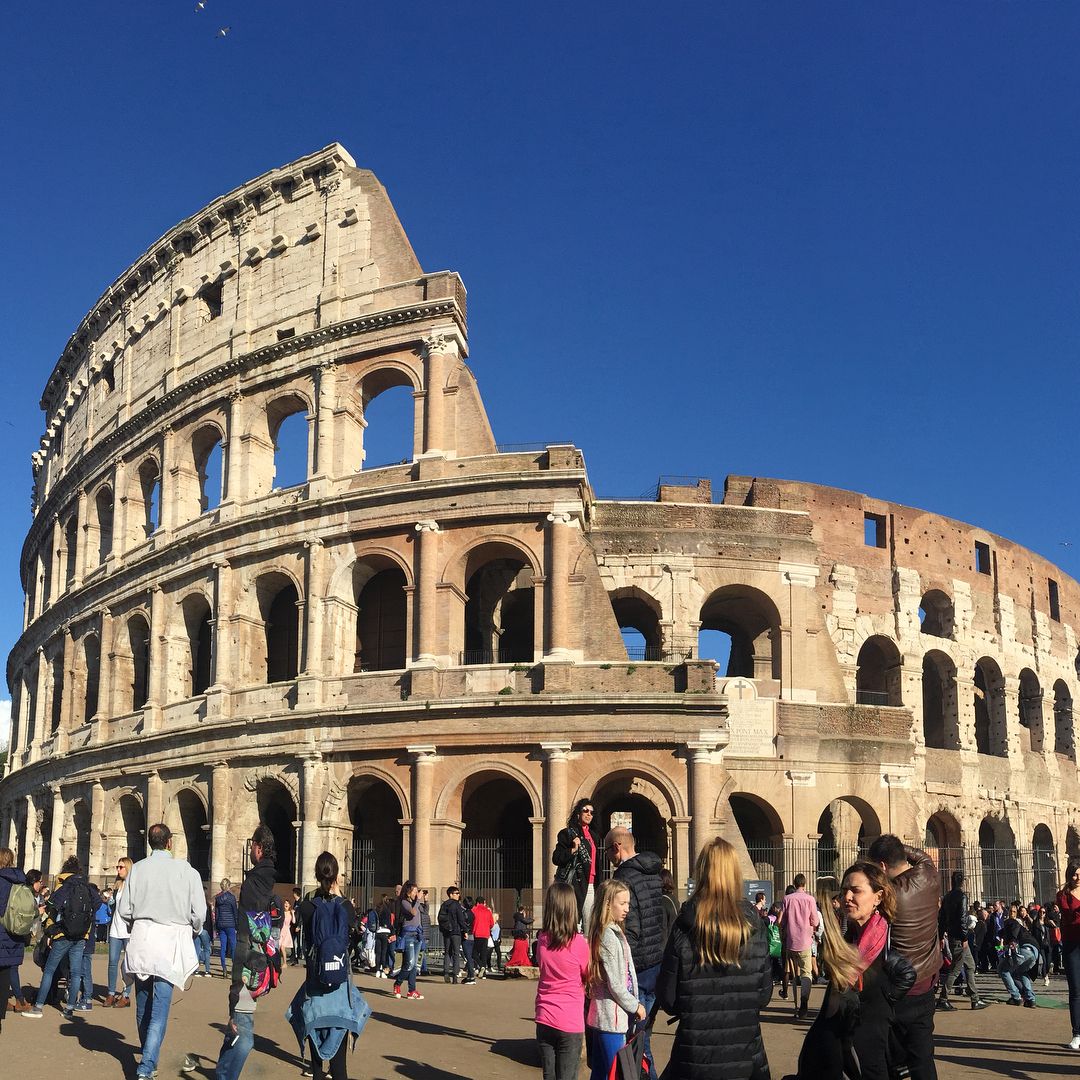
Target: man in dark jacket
{"type": "Point", "coordinates": [952, 924]}
{"type": "Point", "coordinates": [454, 927]}
{"type": "Point", "coordinates": [255, 895]}
{"type": "Point", "coordinates": [644, 926]}
{"type": "Point", "coordinates": [915, 937]}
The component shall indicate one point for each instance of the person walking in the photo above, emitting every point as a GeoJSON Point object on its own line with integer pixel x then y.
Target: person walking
{"type": "Point", "coordinates": [917, 886]}
{"type": "Point", "coordinates": [12, 948]}
{"type": "Point", "coordinates": [163, 905]}
{"type": "Point", "coordinates": [716, 976]}
{"type": "Point", "coordinates": [384, 937]}
{"type": "Point", "coordinates": [408, 931]}
{"type": "Point", "coordinates": [575, 855]}
{"type": "Point", "coordinates": [69, 919]}
{"type": "Point", "coordinates": [644, 929]}
{"type": "Point", "coordinates": [256, 893]}
{"type": "Point", "coordinates": [226, 917]}
{"type": "Point", "coordinates": [118, 937]}
{"type": "Point", "coordinates": [562, 956]}
{"type": "Point", "coordinates": [323, 1014]}
{"type": "Point", "coordinates": [285, 942]}
{"type": "Point", "coordinates": [35, 883]}
{"type": "Point", "coordinates": [483, 921]}
{"type": "Point", "coordinates": [799, 918]}
{"type": "Point", "coordinates": [953, 927]}
{"type": "Point", "coordinates": [452, 927]}
{"type": "Point", "coordinates": [203, 948]}
{"type": "Point", "coordinates": [613, 984]}
{"type": "Point", "coordinates": [850, 1038]}
{"type": "Point", "coordinates": [1018, 961]}
{"type": "Point", "coordinates": [496, 944]}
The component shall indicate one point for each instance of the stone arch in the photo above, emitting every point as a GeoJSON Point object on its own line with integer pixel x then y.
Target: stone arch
{"type": "Point", "coordinates": [83, 826]}
{"type": "Point", "coordinates": [206, 491]}
{"type": "Point", "coordinates": [130, 824]}
{"type": "Point", "coordinates": [131, 646]}
{"type": "Point", "coordinates": [380, 631]}
{"type": "Point", "coordinates": [663, 791]}
{"type": "Point", "coordinates": [1044, 869]}
{"type": "Point", "coordinates": [452, 787]}
{"type": "Point", "coordinates": [278, 595]}
{"type": "Point", "coordinates": [340, 583]}
{"type": "Point", "coordinates": [389, 432]}
{"type": "Point", "coordinates": [90, 674]}
{"type": "Point", "coordinates": [991, 722]}
{"type": "Point", "coordinates": [255, 775]}
{"type": "Point", "coordinates": [639, 615]}
{"type": "Point", "coordinates": [462, 560]}
{"type": "Point", "coordinates": [197, 614]}
{"type": "Point", "coordinates": [144, 498]}
{"type": "Point", "coordinates": [192, 815]}
{"type": "Point", "coordinates": [997, 849]}
{"type": "Point", "coordinates": [941, 718]}
{"type": "Point", "coordinates": [944, 842]}
{"type": "Point", "coordinates": [1064, 741]}
{"type": "Point", "coordinates": [383, 375]}
{"type": "Point", "coordinates": [278, 806]}
{"type": "Point", "coordinates": [375, 812]}
{"type": "Point", "coordinates": [335, 797]}
{"type": "Point", "coordinates": [937, 615]}
{"type": "Point", "coordinates": [99, 540]}
{"type": "Point", "coordinates": [496, 851]}
{"type": "Point", "coordinates": [751, 620]}
{"type": "Point", "coordinates": [1030, 707]}
{"type": "Point", "coordinates": [878, 675]}
{"type": "Point", "coordinates": [845, 827]}
{"type": "Point", "coordinates": [499, 618]}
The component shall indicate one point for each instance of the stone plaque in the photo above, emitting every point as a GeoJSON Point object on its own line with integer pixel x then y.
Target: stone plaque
{"type": "Point", "coordinates": [751, 721]}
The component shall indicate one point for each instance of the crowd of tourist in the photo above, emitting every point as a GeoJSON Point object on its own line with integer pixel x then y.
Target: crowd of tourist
{"type": "Point", "coordinates": [612, 952]}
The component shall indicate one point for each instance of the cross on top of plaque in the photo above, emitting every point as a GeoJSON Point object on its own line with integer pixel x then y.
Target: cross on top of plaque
{"type": "Point", "coordinates": [740, 689]}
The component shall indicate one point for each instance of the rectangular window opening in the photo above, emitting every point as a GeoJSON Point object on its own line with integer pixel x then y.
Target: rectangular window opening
{"type": "Point", "coordinates": [211, 296]}
{"type": "Point", "coordinates": [288, 332]}
{"type": "Point", "coordinates": [874, 530]}
{"type": "Point", "coordinates": [1055, 603]}
{"type": "Point", "coordinates": [982, 558]}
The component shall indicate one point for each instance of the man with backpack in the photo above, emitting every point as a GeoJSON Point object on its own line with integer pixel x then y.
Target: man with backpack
{"type": "Point", "coordinates": [17, 911]}
{"type": "Point", "coordinates": [69, 918]}
{"type": "Point", "coordinates": [163, 904]}
{"type": "Point", "coordinates": [255, 958]}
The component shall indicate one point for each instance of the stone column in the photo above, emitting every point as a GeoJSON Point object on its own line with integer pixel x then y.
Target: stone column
{"type": "Point", "coordinates": [539, 875]}
{"type": "Point", "coordinates": [159, 660]}
{"type": "Point", "coordinates": [425, 598]}
{"type": "Point", "coordinates": [702, 755]}
{"type": "Point", "coordinates": [41, 720]}
{"type": "Point", "coordinates": [31, 857]}
{"type": "Point", "coordinates": [556, 810]}
{"type": "Point", "coordinates": [439, 350]}
{"type": "Point", "coordinates": [219, 815]}
{"type": "Point", "coordinates": [81, 535]}
{"type": "Point", "coordinates": [422, 777]}
{"type": "Point", "coordinates": [67, 703]}
{"type": "Point", "coordinates": [56, 833]}
{"type": "Point", "coordinates": [311, 765]}
{"type": "Point", "coordinates": [558, 585]}
{"type": "Point", "coordinates": [315, 587]}
{"type": "Point", "coordinates": [105, 679]}
{"type": "Point", "coordinates": [324, 421]}
{"type": "Point", "coordinates": [155, 806]}
{"type": "Point", "coordinates": [97, 866]}
{"type": "Point", "coordinates": [168, 510]}
{"type": "Point", "coordinates": [234, 483]}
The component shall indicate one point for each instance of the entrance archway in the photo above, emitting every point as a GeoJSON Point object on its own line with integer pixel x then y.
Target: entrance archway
{"type": "Point", "coordinates": [1044, 871]}
{"type": "Point", "coordinates": [997, 849]}
{"type": "Point", "coordinates": [944, 846]}
{"type": "Point", "coordinates": [277, 811]}
{"type": "Point", "coordinates": [82, 822]}
{"type": "Point", "coordinates": [196, 834]}
{"type": "Point", "coordinates": [846, 827]}
{"type": "Point", "coordinates": [496, 843]}
{"type": "Point", "coordinates": [134, 825]}
{"type": "Point", "coordinates": [628, 800]}
{"type": "Point", "coordinates": [373, 863]}
{"type": "Point", "coordinates": [762, 833]}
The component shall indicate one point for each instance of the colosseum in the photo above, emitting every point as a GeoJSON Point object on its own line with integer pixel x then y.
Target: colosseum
{"type": "Point", "coordinates": [422, 665]}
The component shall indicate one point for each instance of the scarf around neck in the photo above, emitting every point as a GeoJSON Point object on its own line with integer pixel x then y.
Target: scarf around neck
{"type": "Point", "coordinates": [872, 939]}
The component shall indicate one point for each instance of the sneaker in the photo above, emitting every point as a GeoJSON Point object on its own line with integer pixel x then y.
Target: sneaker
{"type": "Point", "coordinates": [191, 1063]}
{"type": "Point", "coordinates": [1074, 1045]}
{"type": "Point", "coordinates": [945, 1005]}
{"type": "Point", "coordinates": [1046, 980]}
{"type": "Point", "coordinates": [67, 1014]}
{"type": "Point", "coordinates": [34, 1013]}
{"type": "Point", "coordinates": [1014, 1001]}
{"type": "Point", "coordinates": [1032, 1004]}
{"type": "Point", "coordinates": [415, 995]}
{"type": "Point", "coordinates": [397, 990]}
{"type": "Point", "coordinates": [979, 1003]}
{"type": "Point", "coordinates": [83, 1006]}
{"type": "Point", "coordinates": [469, 982]}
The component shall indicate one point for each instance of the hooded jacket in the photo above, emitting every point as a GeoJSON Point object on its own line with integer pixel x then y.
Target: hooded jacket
{"type": "Point", "coordinates": [11, 948]}
{"type": "Point", "coordinates": [644, 927]}
{"type": "Point", "coordinates": [719, 1008]}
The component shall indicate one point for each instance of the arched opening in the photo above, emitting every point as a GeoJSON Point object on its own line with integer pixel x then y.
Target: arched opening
{"type": "Point", "coordinates": [149, 480]}
{"type": "Point", "coordinates": [91, 648]}
{"type": "Point", "coordinates": [997, 850]}
{"type": "Point", "coordinates": [991, 733]}
{"type": "Point", "coordinates": [941, 725]}
{"type": "Point", "coordinates": [389, 418]}
{"type": "Point", "coordinates": [1063, 720]}
{"type": "Point", "coordinates": [82, 822]}
{"type": "Point", "coordinates": [638, 616]}
{"type": "Point", "coordinates": [46, 560]}
{"type": "Point", "coordinates": [936, 614]}
{"type": "Point", "coordinates": [1031, 709]}
{"type": "Point", "coordinates": [103, 513]}
{"type": "Point", "coordinates": [56, 690]}
{"type": "Point", "coordinates": [631, 801]}
{"type": "Point", "coordinates": [198, 622]}
{"type": "Point", "coordinates": [847, 827]}
{"type": "Point", "coordinates": [71, 548]}
{"type": "Point", "coordinates": [496, 844]}
{"type": "Point", "coordinates": [499, 609]}
{"type": "Point", "coordinates": [45, 841]}
{"type": "Point", "coordinates": [944, 846]}
{"type": "Point", "coordinates": [196, 831]}
{"type": "Point", "coordinates": [139, 642]}
{"type": "Point", "coordinates": [277, 811]}
{"type": "Point", "coordinates": [279, 603]}
{"type": "Point", "coordinates": [208, 458]}
{"type": "Point", "coordinates": [288, 422]}
{"type": "Point", "coordinates": [134, 825]}
{"type": "Point", "coordinates": [379, 590]}
{"type": "Point", "coordinates": [877, 677]}
{"type": "Point", "coordinates": [1072, 844]}
{"type": "Point", "coordinates": [762, 833]}
{"type": "Point", "coordinates": [1045, 875]}
{"type": "Point", "coordinates": [374, 864]}
{"type": "Point", "coordinates": [750, 619]}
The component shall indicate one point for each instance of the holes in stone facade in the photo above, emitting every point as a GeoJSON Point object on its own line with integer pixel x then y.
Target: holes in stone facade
{"type": "Point", "coordinates": [936, 614]}
{"type": "Point", "coordinates": [211, 296]}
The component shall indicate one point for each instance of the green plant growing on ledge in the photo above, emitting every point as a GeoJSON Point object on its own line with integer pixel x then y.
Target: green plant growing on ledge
{"type": "Point", "coordinates": [631, 668]}
{"type": "Point", "coordinates": [605, 667]}
{"type": "Point", "coordinates": [506, 690]}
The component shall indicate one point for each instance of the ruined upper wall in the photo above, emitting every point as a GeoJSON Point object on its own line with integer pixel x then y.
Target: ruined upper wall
{"type": "Point", "coordinates": [313, 242]}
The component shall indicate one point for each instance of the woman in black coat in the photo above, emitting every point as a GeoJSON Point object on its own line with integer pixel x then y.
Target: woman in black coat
{"type": "Point", "coordinates": [575, 855]}
{"type": "Point", "coordinates": [716, 976]}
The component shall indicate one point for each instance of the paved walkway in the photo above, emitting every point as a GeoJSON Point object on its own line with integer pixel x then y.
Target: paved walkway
{"type": "Point", "coordinates": [481, 1032]}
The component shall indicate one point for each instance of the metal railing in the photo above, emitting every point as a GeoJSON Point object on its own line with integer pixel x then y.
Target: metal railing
{"type": "Point", "coordinates": [644, 652]}
{"type": "Point", "coordinates": [872, 697]}
{"type": "Point", "coordinates": [529, 447]}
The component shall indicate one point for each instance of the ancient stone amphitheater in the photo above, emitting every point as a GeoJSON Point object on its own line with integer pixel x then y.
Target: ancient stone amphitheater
{"type": "Point", "coordinates": [423, 665]}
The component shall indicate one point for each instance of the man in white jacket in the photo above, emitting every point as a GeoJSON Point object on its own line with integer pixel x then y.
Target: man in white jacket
{"type": "Point", "coordinates": [163, 904]}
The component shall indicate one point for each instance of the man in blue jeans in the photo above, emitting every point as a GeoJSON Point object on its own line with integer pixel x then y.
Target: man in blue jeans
{"type": "Point", "coordinates": [164, 905]}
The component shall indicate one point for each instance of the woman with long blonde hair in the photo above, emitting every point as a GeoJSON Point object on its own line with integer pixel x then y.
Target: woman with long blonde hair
{"type": "Point", "coordinates": [850, 1036]}
{"type": "Point", "coordinates": [612, 979]}
{"type": "Point", "coordinates": [716, 976]}
{"type": "Point", "coordinates": [118, 939]}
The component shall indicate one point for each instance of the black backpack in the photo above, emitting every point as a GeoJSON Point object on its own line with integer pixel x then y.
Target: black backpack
{"type": "Point", "coordinates": [75, 913]}
{"type": "Point", "coordinates": [446, 920]}
{"type": "Point", "coordinates": [328, 951]}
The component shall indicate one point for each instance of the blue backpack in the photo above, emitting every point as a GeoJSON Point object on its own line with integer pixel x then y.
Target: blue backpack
{"type": "Point", "coordinates": [328, 951]}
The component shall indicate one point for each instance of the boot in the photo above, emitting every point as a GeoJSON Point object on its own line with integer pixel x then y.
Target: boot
{"type": "Point", "coordinates": [804, 1002]}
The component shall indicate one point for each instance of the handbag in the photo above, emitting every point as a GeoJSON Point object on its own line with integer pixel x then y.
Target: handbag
{"type": "Point", "coordinates": [630, 1063]}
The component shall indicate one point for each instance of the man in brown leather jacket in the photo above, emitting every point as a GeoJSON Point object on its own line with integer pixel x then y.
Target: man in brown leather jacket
{"type": "Point", "coordinates": [915, 936]}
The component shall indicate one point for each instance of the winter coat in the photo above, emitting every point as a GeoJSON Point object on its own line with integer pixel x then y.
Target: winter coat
{"type": "Point", "coordinates": [11, 948]}
{"type": "Point", "coordinates": [573, 866]}
{"type": "Point", "coordinates": [719, 1008]}
{"type": "Point", "coordinates": [225, 911]}
{"type": "Point", "coordinates": [644, 926]}
{"type": "Point", "coordinates": [255, 895]}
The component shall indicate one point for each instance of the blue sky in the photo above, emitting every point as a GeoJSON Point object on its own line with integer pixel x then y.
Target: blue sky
{"type": "Point", "coordinates": [833, 242]}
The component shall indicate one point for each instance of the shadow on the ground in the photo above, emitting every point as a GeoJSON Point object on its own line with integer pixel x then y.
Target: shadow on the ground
{"type": "Point", "coordinates": [263, 1045]}
{"type": "Point", "coordinates": [523, 1051]}
{"type": "Point", "coordinates": [99, 1039]}
{"type": "Point", "coordinates": [411, 1024]}
{"type": "Point", "coordinates": [417, 1070]}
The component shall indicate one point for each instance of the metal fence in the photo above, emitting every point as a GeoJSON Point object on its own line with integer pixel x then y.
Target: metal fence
{"type": "Point", "coordinates": [989, 873]}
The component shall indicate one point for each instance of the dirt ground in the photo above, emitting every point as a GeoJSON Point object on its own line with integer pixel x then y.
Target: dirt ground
{"type": "Point", "coordinates": [479, 1032]}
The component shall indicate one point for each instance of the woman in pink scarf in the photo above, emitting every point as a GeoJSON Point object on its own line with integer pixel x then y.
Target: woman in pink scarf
{"type": "Point", "coordinates": [849, 1040]}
